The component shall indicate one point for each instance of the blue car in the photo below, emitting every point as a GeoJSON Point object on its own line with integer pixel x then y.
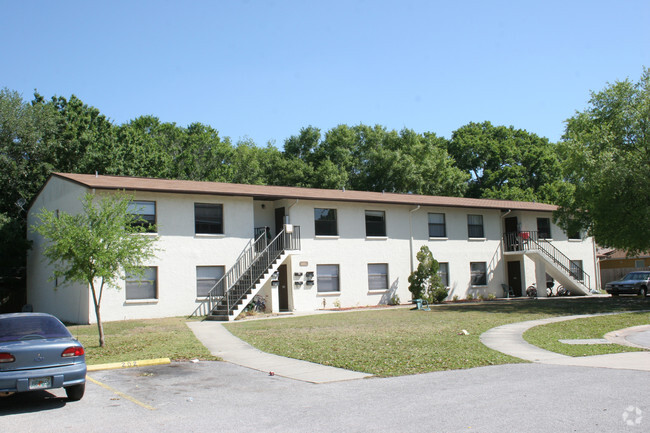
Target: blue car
{"type": "Point", "coordinates": [38, 352]}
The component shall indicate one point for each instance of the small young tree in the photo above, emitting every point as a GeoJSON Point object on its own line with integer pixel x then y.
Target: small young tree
{"type": "Point", "coordinates": [95, 246]}
{"type": "Point", "coordinates": [424, 282]}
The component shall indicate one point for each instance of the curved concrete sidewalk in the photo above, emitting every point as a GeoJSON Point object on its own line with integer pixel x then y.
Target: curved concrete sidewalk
{"type": "Point", "coordinates": [509, 339]}
{"type": "Point", "coordinates": [223, 344]}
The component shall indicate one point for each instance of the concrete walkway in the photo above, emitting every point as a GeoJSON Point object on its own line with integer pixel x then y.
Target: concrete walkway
{"type": "Point", "coordinates": [509, 339]}
{"type": "Point", "coordinates": [220, 342]}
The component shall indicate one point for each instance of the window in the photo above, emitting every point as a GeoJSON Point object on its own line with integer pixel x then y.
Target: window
{"type": "Point", "coordinates": [437, 227]}
{"type": "Point", "coordinates": [479, 273]}
{"type": "Point", "coordinates": [576, 270]}
{"type": "Point", "coordinates": [208, 218]}
{"type": "Point", "coordinates": [575, 235]}
{"type": "Point", "coordinates": [443, 272]}
{"type": "Point", "coordinates": [206, 278]}
{"type": "Point", "coordinates": [378, 276]}
{"type": "Point", "coordinates": [328, 278]}
{"type": "Point", "coordinates": [475, 226]}
{"type": "Point", "coordinates": [144, 286]}
{"type": "Point", "coordinates": [375, 223]}
{"type": "Point", "coordinates": [325, 222]}
{"type": "Point", "coordinates": [144, 213]}
{"type": "Point", "coordinates": [544, 228]}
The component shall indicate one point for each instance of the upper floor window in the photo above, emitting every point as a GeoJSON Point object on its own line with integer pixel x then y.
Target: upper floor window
{"type": "Point", "coordinates": [375, 223]}
{"type": "Point", "coordinates": [574, 235]}
{"type": "Point", "coordinates": [208, 218]}
{"type": "Point", "coordinates": [325, 222]}
{"type": "Point", "coordinates": [144, 213]}
{"type": "Point", "coordinates": [378, 276]}
{"type": "Point", "coordinates": [544, 228]}
{"type": "Point", "coordinates": [437, 226]}
{"type": "Point", "coordinates": [142, 286]}
{"type": "Point", "coordinates": [475, 226]}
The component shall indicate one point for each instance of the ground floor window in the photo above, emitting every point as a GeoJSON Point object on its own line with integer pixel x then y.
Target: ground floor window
{"type": "Point", "coordinates": [443, 272]}
{"type": "Point", "coordinates": [328, 278]}
{"type": "Point", "coordinates": [576, 270]}
{"type": "Point", "coordinates": [479, 273]}
{"type": "Point", "coordinates": [142, 286]}
{"type": "Point", "coordinates": [206, 278]}
{"type": "Point", "coordinates": [378, 276]}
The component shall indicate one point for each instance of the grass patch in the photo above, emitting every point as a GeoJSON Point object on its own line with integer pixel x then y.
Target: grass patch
{"type": "Point", "coordinates": [547, 336]}
{"type": "Point", "coordinates": [131, 340]}
{"type": "Point", "coordinates": [394, 342]}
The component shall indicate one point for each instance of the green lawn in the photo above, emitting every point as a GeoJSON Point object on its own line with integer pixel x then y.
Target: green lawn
{"type": "Point", "coordinates": [132, 340]}
{"type": "Point", "coordinates": [547, 336]}
{"type": "Point", "coordinates": [394, 342]}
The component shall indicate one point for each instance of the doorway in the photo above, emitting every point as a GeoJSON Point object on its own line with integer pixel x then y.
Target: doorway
{"type": "Point", "coordinates": [279, 219]}
{"type": "Point", "coordinates": [283, 288]}
{"type": "Point", "coordinates": [514, 277]}
{"type": "Point", "coordinates": [512, 227]}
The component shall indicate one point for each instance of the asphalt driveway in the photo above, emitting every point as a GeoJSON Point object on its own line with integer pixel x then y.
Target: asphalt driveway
{"type": "Point", "coordinates": [219, 396]}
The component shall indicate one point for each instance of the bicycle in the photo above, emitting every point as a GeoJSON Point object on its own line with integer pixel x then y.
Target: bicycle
{"type": "Point", "coordinates": [531, 291]}
{"type": "Point", "coordinates": [259, 304]}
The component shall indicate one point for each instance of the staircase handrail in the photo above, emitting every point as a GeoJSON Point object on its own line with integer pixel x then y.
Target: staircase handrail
{"type": "Point", "coordinates": [283, 241]}
{"type": "Point", "coordinates": [250, 256]}
{"type": "Point", "coordinates": [529, 240]}
{"type": "Point", "coordinates": [212, 298]}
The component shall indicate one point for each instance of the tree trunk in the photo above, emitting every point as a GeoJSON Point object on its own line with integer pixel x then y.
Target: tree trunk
{"type": "Point", "coordinates": [96, 301]}
{"type": "Point", "coordinates": [100, 327]}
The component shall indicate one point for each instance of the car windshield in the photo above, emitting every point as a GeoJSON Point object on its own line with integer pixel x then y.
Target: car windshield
{"type": "Point", "coordinates": [635, 276]}
{"type": "Point", "coordinates": [31, 327]}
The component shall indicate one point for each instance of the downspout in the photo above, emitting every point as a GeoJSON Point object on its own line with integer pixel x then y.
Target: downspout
{"type": "Point", "coordinates": [288, 215]}
{"type": "Point", "coordinates": [411, 237]}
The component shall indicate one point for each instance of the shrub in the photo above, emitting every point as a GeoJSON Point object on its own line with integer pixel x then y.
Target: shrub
{"type": "Point", "coordinates": [437, 294]}
{"type": "Point", "coordinates": [470, 297]}
{"type": "Point", "coordinates": [491, 297]}
{"type": "Point", "coordinates": [394, 300]}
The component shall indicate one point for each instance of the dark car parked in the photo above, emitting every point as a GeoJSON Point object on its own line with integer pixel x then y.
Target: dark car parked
{"type": "Point", "coordinates": [634, 283]}
{"type": "Point", "coordinates": [38, 352]}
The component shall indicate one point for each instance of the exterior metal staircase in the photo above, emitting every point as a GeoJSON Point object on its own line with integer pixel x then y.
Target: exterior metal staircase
{"type": "Point", "coordinates": [567, 272]}
{"type": "Point", "coordinates": [254, 267]}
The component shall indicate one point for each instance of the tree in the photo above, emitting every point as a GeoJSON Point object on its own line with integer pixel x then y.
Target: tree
{"type": "Point", "coordinates": [95, 246]}
{"type": "Point", "coordinates": [507, 163]}
{"type": "Point", "coordinates": [606, 151]}
{"type": "Point", "coordinates": [424, 282]}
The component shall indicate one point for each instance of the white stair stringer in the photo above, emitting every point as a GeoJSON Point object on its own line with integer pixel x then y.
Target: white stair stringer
{"type": "Point", "coordinates": [574, 286]}
{"type": "Point", "coordinates": [256, 289]}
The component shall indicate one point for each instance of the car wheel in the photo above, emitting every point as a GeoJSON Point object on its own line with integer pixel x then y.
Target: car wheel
{"type": "Point", "coordinates": [643, 292]}
{"type": "Point", "coordinates": [75, 392]}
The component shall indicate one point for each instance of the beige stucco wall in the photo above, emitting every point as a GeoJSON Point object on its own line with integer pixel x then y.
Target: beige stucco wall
{"type": "Point", "coordinates": [69, 302]}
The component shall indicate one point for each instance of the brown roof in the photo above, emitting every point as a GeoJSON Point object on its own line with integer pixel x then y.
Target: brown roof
{"type": "Point", "coordinates": [264, 192]}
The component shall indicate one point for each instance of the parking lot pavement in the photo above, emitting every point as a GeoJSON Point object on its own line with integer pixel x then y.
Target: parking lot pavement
{"type": "Point", "coordinates": [219, 396]}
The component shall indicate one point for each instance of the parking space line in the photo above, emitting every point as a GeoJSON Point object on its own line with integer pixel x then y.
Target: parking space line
{"type": "Point", "coordinates": [121, 394]}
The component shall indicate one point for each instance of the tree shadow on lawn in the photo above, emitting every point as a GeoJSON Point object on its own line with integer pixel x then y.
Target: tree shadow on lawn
{"type": "Point", "coordinates": [556, 307]}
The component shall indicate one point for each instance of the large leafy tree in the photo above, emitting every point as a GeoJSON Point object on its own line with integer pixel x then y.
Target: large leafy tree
{"type": "Point", "coordinates": [96, 246]}
{"type": "Point", "coordinates": [507, 163]}
{"type": "Point", "coordinates": [607, 160]}
{"type": "Point", "coordinates": [375, 159]}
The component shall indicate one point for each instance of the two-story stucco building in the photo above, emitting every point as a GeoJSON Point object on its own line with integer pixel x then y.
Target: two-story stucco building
{"type": "Point", "coordinates": [305, 249]}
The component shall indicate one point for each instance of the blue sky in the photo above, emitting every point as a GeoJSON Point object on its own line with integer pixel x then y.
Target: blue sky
{"type": "Point", "coordinates": [264, 69]}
